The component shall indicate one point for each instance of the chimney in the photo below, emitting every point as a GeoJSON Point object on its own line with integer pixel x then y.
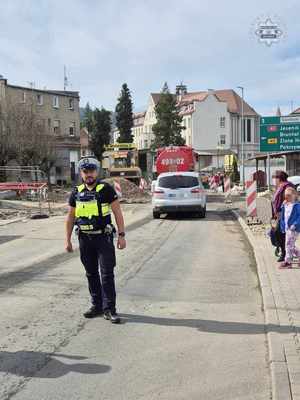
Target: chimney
{"type": "Point", "coordinates": [181, 90]}
{"type": "Point", "coordinates": [278, 112]}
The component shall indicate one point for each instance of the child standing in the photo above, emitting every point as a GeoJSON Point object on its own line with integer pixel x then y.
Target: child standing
{"type": "Point", "coordinates": [290, 225]}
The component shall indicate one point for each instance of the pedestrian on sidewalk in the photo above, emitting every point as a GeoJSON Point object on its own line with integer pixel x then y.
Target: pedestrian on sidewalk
{"type": "Point", "coordinates": [290, 225]}
{"type": "Point", "coordinates": [282, 184]}
{"type": "Point", "coordinates": [90, 206]}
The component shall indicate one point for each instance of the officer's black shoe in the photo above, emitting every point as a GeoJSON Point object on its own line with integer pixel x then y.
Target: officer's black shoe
{"type": "Point", "coordinates": [93, 312]}
{"type": "Point", "coordinates": [281, 259]}
{"type": "Point", "coordinates": [112, 317]}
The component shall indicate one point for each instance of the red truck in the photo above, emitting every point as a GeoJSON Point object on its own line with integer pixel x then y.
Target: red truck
{"type": "Point", "coordinates": [175, 159]}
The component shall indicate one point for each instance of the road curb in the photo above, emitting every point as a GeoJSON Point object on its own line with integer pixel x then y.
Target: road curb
{"type": "Point", "coordinates": [11, 221]}
{"type": "Point", "coordinates": [280, 380]}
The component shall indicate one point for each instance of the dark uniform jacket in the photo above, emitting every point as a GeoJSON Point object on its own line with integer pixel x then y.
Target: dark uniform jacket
{"type": "Point", "coordinates": [93, 211]}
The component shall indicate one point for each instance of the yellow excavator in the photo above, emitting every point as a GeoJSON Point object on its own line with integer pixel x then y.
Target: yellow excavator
{"type": "Point", "coordinates": [121, 160]}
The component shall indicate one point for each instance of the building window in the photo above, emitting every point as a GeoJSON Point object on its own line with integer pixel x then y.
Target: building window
{"type": "Point", "coordinates": [222, 140]}
{"type": "Point", "coordinates": [71, 104]}
{"type": "Point", "coordinates": [39, 99]}
{"type": "Point", "coordinates": [55, 102]}
{"type": "Point", "coordinates": [189, 122]}
{"type": "Point", "coordinates": [247, 136]}
{"type": "Point", "coordinates": [146, 144]}
{"type": "Point", "coordinates": [23, 97]}
{"type": "Point", "coordinates": [222, 122]}
{"type": "Point", "coordinates": [72, 129]}
{"type": "Point", "coordinates": [56, 126]}
{"type": "Point", "coordinates": [249, 130]}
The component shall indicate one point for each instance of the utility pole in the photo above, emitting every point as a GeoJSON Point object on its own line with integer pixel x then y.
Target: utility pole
{"type": "Point", "coordinates": [65, 78]}
{"type": "Point", "coordinates": [243, 137]}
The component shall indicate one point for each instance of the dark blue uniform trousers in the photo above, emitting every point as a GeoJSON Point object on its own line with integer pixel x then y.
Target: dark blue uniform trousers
{"type": "Point", "coordinates": [99, 251]}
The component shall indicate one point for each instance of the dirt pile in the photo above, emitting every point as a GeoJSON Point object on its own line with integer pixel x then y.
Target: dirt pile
{"type": "Point", "coordinates": [131, 193]}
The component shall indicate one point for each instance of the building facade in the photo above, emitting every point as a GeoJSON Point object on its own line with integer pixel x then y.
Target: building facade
{"type": "Point", "coordinates": [212, 122]}
{"type": "Point", "coordinates": [58, 114]}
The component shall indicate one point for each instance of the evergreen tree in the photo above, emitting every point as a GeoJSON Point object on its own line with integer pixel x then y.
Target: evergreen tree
{"type": "Point", "coordinates": [100, 135]}
{"type": "Point", "coordinates": [167, 130]}
{"type": "Point", "coordinates": [124, 117]}
{"type": "Point", "coordinates": [88, 119]}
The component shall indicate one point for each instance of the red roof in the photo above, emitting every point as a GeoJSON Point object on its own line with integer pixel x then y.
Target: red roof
{"type": "Point", "coordinates": [229, 96]}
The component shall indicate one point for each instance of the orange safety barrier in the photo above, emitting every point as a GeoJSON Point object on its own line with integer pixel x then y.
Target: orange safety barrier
{"type": "Point", "coordinates": [22, 186]}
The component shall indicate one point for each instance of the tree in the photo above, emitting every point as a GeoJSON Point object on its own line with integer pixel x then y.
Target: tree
{"type": "Point", "coordinates": [167, 130]}
{"type": "Point", "coordinates": [24, 138]}
{"type": "Point", "coordinates": [124, 116]}
{"type": "Point", "coordinates": [100, 135]}
{"type": "Point", "coordinates": [88, 119]}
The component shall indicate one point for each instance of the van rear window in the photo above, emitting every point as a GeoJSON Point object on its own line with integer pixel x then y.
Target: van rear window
{"type": "Point", "coordinates": [178, 181]}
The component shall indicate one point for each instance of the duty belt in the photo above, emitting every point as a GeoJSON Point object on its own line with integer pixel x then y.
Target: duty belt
{"type": "Point", "coordinates": [108, 230]}
{"type": "Point", "coordinates": [99, 232]}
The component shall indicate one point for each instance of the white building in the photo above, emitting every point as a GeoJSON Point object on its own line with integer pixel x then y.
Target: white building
{"type": "Point", "coordinates": [212, 121]}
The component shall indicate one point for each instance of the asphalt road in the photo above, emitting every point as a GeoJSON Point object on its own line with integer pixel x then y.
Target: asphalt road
{"type": "Point", "coordinates": [192, 321]}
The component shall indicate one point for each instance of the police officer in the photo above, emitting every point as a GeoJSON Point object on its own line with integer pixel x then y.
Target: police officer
{"type": "Point", "coordinates": [90, 206]}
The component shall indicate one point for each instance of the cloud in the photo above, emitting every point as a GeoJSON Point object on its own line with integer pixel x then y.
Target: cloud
{"type": "Point", "coordinates": [205, 43]}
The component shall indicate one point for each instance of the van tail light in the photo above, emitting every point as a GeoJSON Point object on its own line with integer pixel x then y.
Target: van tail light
{"type": "Point", "coordinates": [158, 193]}
{"type": "Point", "coordinates": [197, 190]}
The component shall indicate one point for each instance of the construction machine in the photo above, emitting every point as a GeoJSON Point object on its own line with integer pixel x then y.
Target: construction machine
{"type": "Point", "coordinates": [121, 160]}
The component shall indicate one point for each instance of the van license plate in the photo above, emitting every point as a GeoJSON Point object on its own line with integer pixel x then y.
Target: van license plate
{"type": "Point", "coordinates": [172, 195]}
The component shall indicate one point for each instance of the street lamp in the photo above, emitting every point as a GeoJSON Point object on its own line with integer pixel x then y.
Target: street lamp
{"type": "Point", "coordinates": [242, 133]}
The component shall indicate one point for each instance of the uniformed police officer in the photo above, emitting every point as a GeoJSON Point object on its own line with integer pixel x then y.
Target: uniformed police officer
{"type": "Point", "coordinates": [90, 207]}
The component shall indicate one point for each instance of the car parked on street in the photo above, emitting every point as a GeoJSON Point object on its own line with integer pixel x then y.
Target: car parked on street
{"type": "Point", "coordinates": [295, 180]}
{"type": "Point", "coordinates": [178, 192]}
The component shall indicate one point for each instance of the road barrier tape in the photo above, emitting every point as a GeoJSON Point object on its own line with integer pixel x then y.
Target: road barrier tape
{"type": "Point", "coordinates": [251, 194]}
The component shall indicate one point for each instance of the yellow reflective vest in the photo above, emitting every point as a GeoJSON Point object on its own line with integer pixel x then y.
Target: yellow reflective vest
{"type": "Point", "coordinates": [90, 213]}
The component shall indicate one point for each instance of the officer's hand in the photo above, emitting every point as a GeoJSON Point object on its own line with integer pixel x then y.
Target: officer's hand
{"type": "Point", "coordinates": [121, 243]}
{"type": "Point", "coordinates": [68, 246]}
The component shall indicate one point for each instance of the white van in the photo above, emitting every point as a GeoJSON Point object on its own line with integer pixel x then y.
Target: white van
{"type": "Point", "coordinates": [178, 192]}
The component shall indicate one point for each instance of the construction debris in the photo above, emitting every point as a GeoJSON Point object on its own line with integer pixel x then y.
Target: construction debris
{"type": "Point", "coordinates": [131, 193]}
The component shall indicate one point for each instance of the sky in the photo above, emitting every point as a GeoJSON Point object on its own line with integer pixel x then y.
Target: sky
{"type": "Point", "coordinates": [104, 43]}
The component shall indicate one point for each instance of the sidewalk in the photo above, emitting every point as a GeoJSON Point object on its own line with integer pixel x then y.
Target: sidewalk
{"type": "Point", "coordinates": [281, 302]}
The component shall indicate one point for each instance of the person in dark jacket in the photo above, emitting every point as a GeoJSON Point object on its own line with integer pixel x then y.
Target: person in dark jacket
{"type": "Point", "coordinates": [290, 225]}
{"type": "Point", "coordinates": [281, 185]}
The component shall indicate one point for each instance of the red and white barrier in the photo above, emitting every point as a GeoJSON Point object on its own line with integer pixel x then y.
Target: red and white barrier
{"type": "Point", "coordinates": [251, 194]}
{"type": "Point", "coordinates": [143, 184]}
{"type": "Point", "coordinates": [227, 185]}
{"type": "Point", "coordinates": [213, 184]}
{"type": "Point", "coordinates": [227, 189]}
{"type": "Point", "coordinates": [118, 189]}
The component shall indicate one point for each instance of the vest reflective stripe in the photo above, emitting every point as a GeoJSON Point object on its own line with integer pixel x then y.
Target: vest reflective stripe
{"type": "Point", "coordinates": [90, 209]}
{"type": "Point", "coordinates": [105, 208]}
{"type": "Point", "coordinates": [80, 188]}
{"type": "Point", "coordinates": [87, 209]}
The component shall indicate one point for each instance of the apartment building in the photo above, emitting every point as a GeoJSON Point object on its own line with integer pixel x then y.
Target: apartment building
{"type": "Point", "coordinates": [58, 114]}
{"type": "Point", "coordinates": [212, 120]}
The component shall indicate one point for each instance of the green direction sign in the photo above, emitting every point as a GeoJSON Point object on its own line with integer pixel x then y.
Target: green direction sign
{"type": "Point", "coordinates": [279, 133]}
